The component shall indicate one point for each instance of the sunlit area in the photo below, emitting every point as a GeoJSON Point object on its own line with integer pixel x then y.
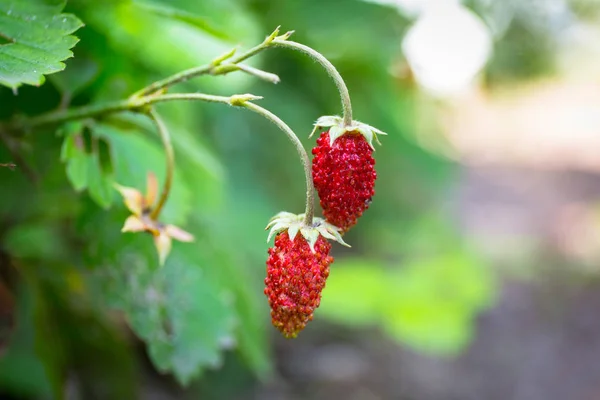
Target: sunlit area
{"type": "Point", "coordinates": [445, 247]}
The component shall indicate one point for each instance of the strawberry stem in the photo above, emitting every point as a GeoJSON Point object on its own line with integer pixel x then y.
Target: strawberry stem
{"type": "Point", "coordinates": [219, 66]}
{"type": "Point", "coordinates": [165, 137]}
{"type": "Point", "coordinates": [331, 70]}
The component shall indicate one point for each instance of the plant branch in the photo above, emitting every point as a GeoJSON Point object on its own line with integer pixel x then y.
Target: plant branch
{"type": "Point", "coordinates": [331, 70]}
{"type": "Point", "coordinates": [218, 67]}
{"type": "Point", "coordinates": [60, 116]}
{"type": "Point", "coordinates": [96, 110]}
{"type": "Point", "coordinates": [165, 137]}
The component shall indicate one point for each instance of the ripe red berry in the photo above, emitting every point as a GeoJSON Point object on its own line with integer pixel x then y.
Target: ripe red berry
{"type": "Point", "coordinates": [295, 279]}
{"type": "Point", "coordinates": [297, 268]}
{"type": "Point", "coordinates": [344, 177]}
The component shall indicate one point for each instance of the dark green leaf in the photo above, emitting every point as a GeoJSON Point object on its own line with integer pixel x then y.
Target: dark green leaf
{"type": "Point", "coordinates": [22, 370]}
{"type": "Point", "coordinates": [39, 241]}
{"type": "Point", "coordinates": [38, 40]}
{"type": "Point", "coordinates": [105, 157]}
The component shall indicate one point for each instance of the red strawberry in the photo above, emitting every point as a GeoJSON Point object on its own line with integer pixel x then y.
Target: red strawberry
{"type": "Point", "coordinates": [295, 278]}
{"type": "Point", "coordinates": [344, 171]}
{"type": "Point", "coordinates": [297, 268]}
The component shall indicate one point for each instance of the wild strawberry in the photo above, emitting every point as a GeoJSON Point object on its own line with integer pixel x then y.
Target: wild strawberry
{"type": "Point", "coordinates": [297, 268]}
{"type": "Point", "coordinates": [344, 170]}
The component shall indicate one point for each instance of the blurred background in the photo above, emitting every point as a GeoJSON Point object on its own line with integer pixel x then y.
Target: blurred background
{"type": "Point", "coordinates": [475, 274]}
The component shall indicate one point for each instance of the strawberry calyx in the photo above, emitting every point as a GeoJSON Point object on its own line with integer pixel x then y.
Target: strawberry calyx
{"type": "Point", "coordinates": [294, 223]}
{"type": "Point", "coordinates": [337, 128]}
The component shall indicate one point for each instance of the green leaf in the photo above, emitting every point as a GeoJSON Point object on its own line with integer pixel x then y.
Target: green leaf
{"type": "Point", "coordinates": [182, 311]}
{"type": "Point", "coordinates": [38, 37]}
{"type": "Point", "coordinates": [100, 184]}
{"type": "Point", "coordinates": [89, 163]}
{"type": "Point", "coordinates": [183, 16]}
{"type": "Point", "coordinates": [80, 73]}
{"type": "Point", "coordinates": [105, 156]}
{"type": "Point", "coordinates": [132, 34]}
{"type": "Point", "coordinates": [200, 318]}
{"type": "Point", "coordinates": [35, 240]}
{"type": "Point", "coordinates": [201, 170]}
{"type": "Point", "coordinates": [248, 301]}
{"type": "Point", "coordinates": [77, 160]}
{"type": "Point", "coordinates": [23, 370]}
{"type": "Point", "coordinates": [134, 155]}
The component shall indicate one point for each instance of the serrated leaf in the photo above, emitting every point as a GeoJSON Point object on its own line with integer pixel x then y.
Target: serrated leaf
{"type": "Point", "coordinates": [200, 320]}
{"type": "Point", "coordinates": [181, 310]}
{"type": "Point", "coordinates": [39, 38]}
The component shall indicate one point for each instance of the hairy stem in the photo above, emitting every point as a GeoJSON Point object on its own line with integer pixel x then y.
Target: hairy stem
{"type": "Point", "coordinates": [331, 70]}
{"type": "Point", "coordinates": [217, 67]}
{"type": "Point", "coordinates": [140, 104]}
{"type": "Point", "coordinates": [96, 110]}
{"type": "Point", "coordinates": [310, 190]}
{"type": "Point", "coordinates": [71, 114]}
{"type": "Point", "coordinates": [165, 137]}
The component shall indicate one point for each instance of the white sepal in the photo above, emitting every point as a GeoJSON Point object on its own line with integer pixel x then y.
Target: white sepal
{"type": "Point", "coordinates": [293, 231]}
{"type": "Point", "coordinates": [292, 223]}
{"type": "Point", "coordinates": [337, 128]}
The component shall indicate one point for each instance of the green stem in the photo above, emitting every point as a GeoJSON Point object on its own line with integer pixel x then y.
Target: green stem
{"type": "Point", "coordinates": [217, 67]}
{"type": "Point", "coordinates": [139, 104]}
{"type": "Point", "coordinates": [165, 137]}
{"type": "Point", "coordinates": [331, 70]}
{"type": "Point", "coordinates": [60, 116]}
{"type": "Point", "coordinates": [310, 190]}
{"type": "Point", "coordinates": [173, 79]}
{"type": "Point", "coordinates": [95, 110]}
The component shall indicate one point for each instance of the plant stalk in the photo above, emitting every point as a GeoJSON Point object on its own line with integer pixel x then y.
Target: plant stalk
{"type": "Point", "coordinates": [96, 110]}
{"type": "Point", "coordinates": [217, 67]}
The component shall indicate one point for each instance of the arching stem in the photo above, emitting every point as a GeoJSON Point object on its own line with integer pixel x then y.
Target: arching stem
{"type": "Point", "coordinates": [331, 70]}
{"type": "Point", "coordinates": [137, 104]}
{"type": "Point", "coordinates": [165, 137]}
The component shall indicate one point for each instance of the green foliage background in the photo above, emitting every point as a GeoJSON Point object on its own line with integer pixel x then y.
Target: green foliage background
{"type": "Point", "coordinates": [84, 291]}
